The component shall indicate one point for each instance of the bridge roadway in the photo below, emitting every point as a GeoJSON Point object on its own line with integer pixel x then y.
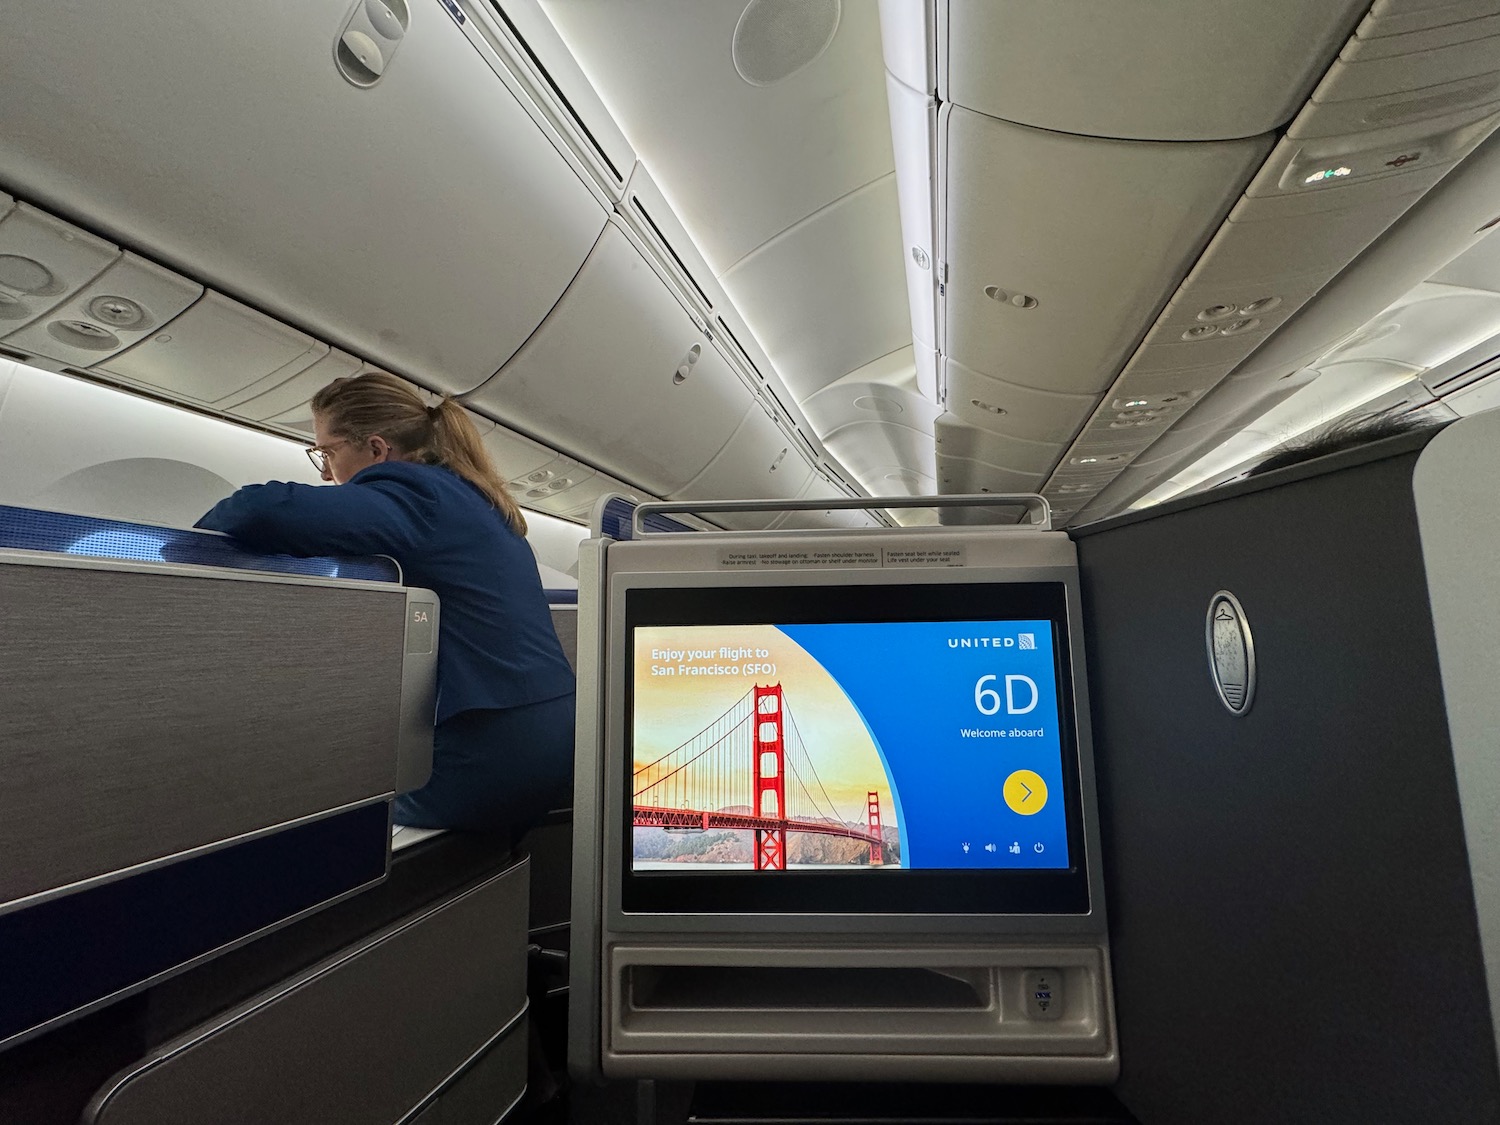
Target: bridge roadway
{"type": "Point", "coordinates": [649, 817]}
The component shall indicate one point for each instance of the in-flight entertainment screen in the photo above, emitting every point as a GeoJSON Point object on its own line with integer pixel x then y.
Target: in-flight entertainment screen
{"type": "Point", "coordinates": [851, 733]}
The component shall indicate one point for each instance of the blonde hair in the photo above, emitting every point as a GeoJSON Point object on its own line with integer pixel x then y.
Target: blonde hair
{"type": "Point", "coordinates": [364, 406]}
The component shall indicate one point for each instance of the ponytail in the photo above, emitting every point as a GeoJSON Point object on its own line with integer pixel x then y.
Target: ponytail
{"type": "Point", "coordinates": [363, 406]}
{"type": "Point", "coordinates": [456, 445]}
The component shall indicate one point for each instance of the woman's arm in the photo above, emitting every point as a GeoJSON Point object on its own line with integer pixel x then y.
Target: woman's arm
{"type": "Point", "coordinates": [375, 518]}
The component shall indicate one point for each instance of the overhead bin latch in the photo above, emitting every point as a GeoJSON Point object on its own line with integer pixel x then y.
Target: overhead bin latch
{"type": "Point", "coordinates": [369, 39]}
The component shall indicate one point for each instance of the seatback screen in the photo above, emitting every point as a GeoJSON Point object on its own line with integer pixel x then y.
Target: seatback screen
{"type": "Point", "coordinates": [907, 737]}
{"type": "Point", "coordinates": [862, 745]}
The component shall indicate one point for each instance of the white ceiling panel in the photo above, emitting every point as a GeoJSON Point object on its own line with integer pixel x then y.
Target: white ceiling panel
{"type": "Point", "coordinates": [426, 221]}
{"type": "Point", "coordinates": [829, 296]}
{"type": "Point", "coordinates": [885, 457]}
{"type": "Point", "coordinates": [1144, 69]}
{"type": "Point", "coordinates": [856, 400]}
{"type": "Point", "coordinates": [1027, 221]}
{"type": "Point", "coordinates": [740, 163]}
{"type": "Point", "coordinates": [73, 445]}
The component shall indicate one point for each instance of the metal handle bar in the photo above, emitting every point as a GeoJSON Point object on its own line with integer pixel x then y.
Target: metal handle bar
{"type": "Point", "coordinates": [1036, 507]}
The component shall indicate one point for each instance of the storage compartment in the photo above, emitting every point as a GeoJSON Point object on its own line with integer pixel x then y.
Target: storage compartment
{"type": "Point", "coordinates": [759, 463]}
{"type": "Point", "coordinates": [1145, 69]}
{"type": "Point", "coordinates": [434, 225]}
{"type": "Point", "coordinates": [753, 988]}
{"type": "Point", "coordinates": [828, 295]}
{"type": "Point", "coordinates": [958, 439]}
{"type": "Point", "coordinates": [687, 1006]}
{"type": "Point", "coordinates": [1004, 408]}
{"type": "Point", "coordinates": [1050, 291]}
{"type": "Point", "coordinates": [618, 361]}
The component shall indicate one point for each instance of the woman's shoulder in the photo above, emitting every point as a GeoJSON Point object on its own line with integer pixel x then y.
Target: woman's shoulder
{"type": "Point", "coordinates": [433, 484]}
{"type": "Point", "coordinates": [430, 479]}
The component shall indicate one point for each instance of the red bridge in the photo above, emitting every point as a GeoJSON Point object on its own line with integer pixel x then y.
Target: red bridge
{"type": "Point", "coordinates": [744, 758]}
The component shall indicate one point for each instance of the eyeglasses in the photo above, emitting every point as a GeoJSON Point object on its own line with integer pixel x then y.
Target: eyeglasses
{"type": "Point", "coordinates": [318, 454]}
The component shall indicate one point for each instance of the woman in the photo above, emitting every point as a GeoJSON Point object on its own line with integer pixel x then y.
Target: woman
{"type": "Point", "coordinates": [417, 485]}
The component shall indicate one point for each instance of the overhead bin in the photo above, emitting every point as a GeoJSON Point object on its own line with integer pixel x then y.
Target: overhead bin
{"type": "Point", "coordinates": [819, 489]}
{"type": "Point", "coordinates": [435, 223]}
{"type": "Point", "coordinates": [526, 52]}
{"type": "Point", "coordinates": [1015, 411]}
{"type": "Point", "coordinates": [617, 367]}
{"type": "Point", "coordinates": [1259, 304]}
{"type": "Point", "coordinates": [1050, 278]}
{"type": "Point", "coordinates": [828, 294]}
{"type": "Point", "coordinates": [914, 127]}
{"type": "Point", "coordinates": [759, 463]}
{"type": "Point", "coordinates": [216, 348]}
{"type": "Point", "coordinates": [1395, 17]}
{"type": "Point", "coordinates": [1142, 69]}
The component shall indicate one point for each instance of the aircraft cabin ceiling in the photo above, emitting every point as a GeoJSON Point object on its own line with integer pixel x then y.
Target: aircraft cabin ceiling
{"type": "Point", "coordinates": [801, 249]}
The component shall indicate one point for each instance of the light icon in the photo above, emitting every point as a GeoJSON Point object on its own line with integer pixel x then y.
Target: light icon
{"type": "Point", "coordinates": [965, 846]}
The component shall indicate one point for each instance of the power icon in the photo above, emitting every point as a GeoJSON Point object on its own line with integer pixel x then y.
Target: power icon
{"type": "Point", "coordinates": [1025, 792]}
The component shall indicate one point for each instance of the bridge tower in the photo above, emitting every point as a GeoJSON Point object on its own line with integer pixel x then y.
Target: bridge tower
{"type": "Point", "coordinates": [872, 812]}
{"type": "Point", "coordinates": [770, 778]}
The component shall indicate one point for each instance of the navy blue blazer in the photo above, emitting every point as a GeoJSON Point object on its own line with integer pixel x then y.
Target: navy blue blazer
{"type": "Point", "coordinates": [496, 644]}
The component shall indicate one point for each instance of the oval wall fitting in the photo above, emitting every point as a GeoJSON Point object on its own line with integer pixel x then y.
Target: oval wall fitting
{"type": "Point", "coordinates": [774, 39]}
{"type": "Point", "coordinates": [369, 39]}
{"type": "Point", "coordinates": [1231, 652]}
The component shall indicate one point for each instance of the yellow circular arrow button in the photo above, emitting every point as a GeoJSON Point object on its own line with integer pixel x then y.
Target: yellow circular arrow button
{"type": "Point", "coordinates": [1025, 792]}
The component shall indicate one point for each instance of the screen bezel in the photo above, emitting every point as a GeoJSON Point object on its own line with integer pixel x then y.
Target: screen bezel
{"type": "Point", "coordinates": [948, 891]}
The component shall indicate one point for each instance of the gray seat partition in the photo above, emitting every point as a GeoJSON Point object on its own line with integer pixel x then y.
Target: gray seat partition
{"type": "Point", "coordinates": [1303, 908]}
{"type": "Point", "coordinates": [157, 717]}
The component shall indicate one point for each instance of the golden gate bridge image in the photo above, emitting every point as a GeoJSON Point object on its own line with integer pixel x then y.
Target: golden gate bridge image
{"type": "Point", "coordinates": [751, 756]}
